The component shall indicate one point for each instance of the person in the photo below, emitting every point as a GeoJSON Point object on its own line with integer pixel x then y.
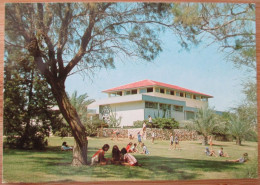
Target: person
{"type": "Point", "coordinates": [210, 142]}
{"type": "Point", "coordinates": [221, 153]}
{"type": "Point", "coordinates": [176, 142]}
{"type": "Point", "coordinates": [99, 156]}
{"type": "Point", "coordinates": [115, 134]}
{"type": "Point", "coordinates": [129, 159]}
{"type": "Point", "coordinates": [139, 139]}
{"type": "Point", "coordinates": [131, 137]}
{"type": "Point", "coordinates": [65, 147]}
{"type": "Point", "coordinates": [134, 148]}
{"type": "Point", "coordinates": [243, 159]}
{"type": "Point", "coordinates": [144, 129]}
{"type": "Point", "coordinates": [171, 141]}
{"type": "Point", "coordinates": [150, 120]}
{"type": "Point", "coordinates": [210, 152]}
{"type": "Point", "coordinates": [145, 150]}
{"type": "Point", "coordinates": [153, 136]}
{"type": "Point", "coordinates": [116, 155]}
{"type": "Point", "coordinates": [128, 147]}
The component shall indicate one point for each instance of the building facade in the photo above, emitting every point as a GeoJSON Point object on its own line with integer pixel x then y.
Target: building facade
{"type": "Point", "coordinates": [136, 101]}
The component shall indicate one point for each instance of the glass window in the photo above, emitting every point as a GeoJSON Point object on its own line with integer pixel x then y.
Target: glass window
{"type": "Point", "coordinates": [119, 93]}
{"type": "Point", "coordinates": [143, 91]}
{"type": "Point", "coordinates": [127, 92]}
{"type": "Point", "coordinates": [149, 89]}
{"type": "Point", "coordinates": [157, 89]}
{"type": "Point", "coordinates": [181, 94]}
{"type": "Point", "coordinates": [177, 93]}
{"type": "Point", "coordinates": [178, 108]}
{"type": "Point", "coordinates": [172, 92]}
{"type": "Point", "coordinates": [190, 115]}
{"type": "Point", "coordinates": [167, 91]}
{"type": "Point", "coordinates": [151, 105]}
{"type": "Point", "coordinates": [134, 91]}
{"type": "Point", "coordinates": [188, 95]}
{"type": "Point", "coordinates": [162, 91]}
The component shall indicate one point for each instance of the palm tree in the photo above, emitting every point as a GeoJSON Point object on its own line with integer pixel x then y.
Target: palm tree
{"type": "Point", "coordinates": [239, 128]}
{"type": "Point", "coordinates": [204, 122]}
{"type": "Point", "coordinates": [80, 103]}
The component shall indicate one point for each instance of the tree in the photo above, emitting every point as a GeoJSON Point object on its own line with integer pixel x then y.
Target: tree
{"type": "Point", "coordinates": [63, 39]}
{"type": "Point", "coordinates": [28, 114]}
{"type": "Point", "coordinates": [239, 128]}
{"type": "Point", "coordinates": [204, 123]}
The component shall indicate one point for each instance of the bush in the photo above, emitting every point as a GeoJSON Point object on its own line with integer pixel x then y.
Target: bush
{"type": "Point", "coordinates": [164, 123]}
{"type": "Point", "coordinates": [138, 124]}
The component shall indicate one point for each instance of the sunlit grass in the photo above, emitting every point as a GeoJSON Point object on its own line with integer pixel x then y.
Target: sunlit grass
{"type": "Point", "coordinates": [162, 164]}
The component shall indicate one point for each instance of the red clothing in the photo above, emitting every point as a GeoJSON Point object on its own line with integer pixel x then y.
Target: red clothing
{"type": "Point", "coordinates": [130, 159]}
{"type": "Point", "coordinates": [128, 147]}
{"type": "Point", "coordinates": [100, 154]}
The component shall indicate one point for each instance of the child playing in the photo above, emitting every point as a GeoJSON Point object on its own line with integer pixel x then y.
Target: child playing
{"type": "Point", "coordinates": [210, 152]}
{"type": "Point", "coordinates": [176, 142]}
{"type": "Point", "coordinates": [145, 150]}
{"type": "Point", "coordinates": [134, 148]}
{"type": "Point", "coordinates": [139, 138]}
{"type": "Point", "coordinates": [171, 142]}
{"type": "Point", "coordinates": [153, 136]}
{"type": "Point", "coordinates": [116, 155]}
{"type": "Point", "coordinates": [221, 153]}
{"type": "Point", "coordinates": [99, 156]}
{"type": "Point", "coordinates": [128, 147]}
{"type": "Point", "coordinates": [128, 158]}
{"type": "Point", "coordinates": [65, 147]}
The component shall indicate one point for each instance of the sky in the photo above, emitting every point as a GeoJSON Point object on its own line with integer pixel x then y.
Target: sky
{"type": "Point", "coordinates": [201, 69]}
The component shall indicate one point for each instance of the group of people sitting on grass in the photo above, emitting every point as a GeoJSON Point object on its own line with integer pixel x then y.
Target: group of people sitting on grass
{"type": "Point", "coordinates": [221, 153]}
{"type": "Point", "coordinates": [118, 157]}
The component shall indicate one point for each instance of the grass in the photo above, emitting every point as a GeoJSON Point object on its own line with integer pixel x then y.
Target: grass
{"type": "Point", "coordinates": [190, 162]}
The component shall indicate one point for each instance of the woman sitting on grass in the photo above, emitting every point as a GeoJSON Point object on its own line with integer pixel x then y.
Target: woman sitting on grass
{"type": "Point", "coordinates": [116, 155]}
{"type": "Point", "coordinates": [145, 150]}
{"type": "Point", "coordinates": [65, 147]}
{"type": "Point", "coordinates": [210, 152]}
{"type": "Point", "coordinates": [99, 156]}
{"type": "Point", "coordinates": [128, 147]}
{"type": "Point", "coordinates": [129, 160]}
{"type": "Point", "coordinates": [243, 159]}
{"type": "Point", "coordinates": [134, 148]}
{"type": "Point", "coordinates": [221, 153]}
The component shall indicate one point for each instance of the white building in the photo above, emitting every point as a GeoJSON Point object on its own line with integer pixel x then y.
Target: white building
{"type": "Point", "coordinates": [135, 101]}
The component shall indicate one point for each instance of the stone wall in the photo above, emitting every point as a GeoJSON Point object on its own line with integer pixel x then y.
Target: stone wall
{"type": "Point", "coordinates": [160, 134]}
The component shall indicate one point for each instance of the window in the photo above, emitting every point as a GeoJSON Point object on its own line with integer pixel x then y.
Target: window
{"type": "Point", "coordinates": [204, 99]}
{"type": "Point", "coordinates": [134, 91]}
{"type": "Point", "coordinates": [127, 92]}
{"type": "Point", "coordinates": [197, 98]}
{"type": "Point", "coordinates": [162, 91]}
{"type": "Point", "coordinates": [143, 91]}
{"type": "Point", "coordinates": [167, 91]}
{"type": "Point", "coordinates": [181, 94]}
{"type": "Point", "coordinates": [172, 92]}
{"type": "Point", "coordinates": [178, 108]}
{"type": "Point", "coordinates": [177, 93]}
{"type": "Point", "coordinates": [190, 115]}
{"type": "Point", "coordinates": [188, 95]}
{"type": "Point", "coordinates": [157, 89]}
{"type": "Point", "coordinates": [194, 97]}
{"type": "Point", "coordinates": [151, 105]}
{"type": "Point", "coordinates": [165, 106]}
{"type": "Point", "coordinates": [119, 93]}
{"type": "Point", "coordinates": [149, 89]}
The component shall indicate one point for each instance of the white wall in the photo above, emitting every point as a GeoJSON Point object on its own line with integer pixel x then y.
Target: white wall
{"type": "Point", "coordinates": [130, 112]}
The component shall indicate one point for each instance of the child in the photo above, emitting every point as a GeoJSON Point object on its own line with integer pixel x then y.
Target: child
{"type": "Point", "coordinates": [65, 147]}
{"type": "Point", "coordinates": [134, 148]}
{"type": "Point", "coordinates": [145, 150]}
{"type": "Point", "coordinates": [116, 155]}
{"type": "Point", "coordinates": [210, 142]}
{"type": "Point", "coordinates": [128, 147]}
{"type": "Point", "coordinates": [144, 127]}
{"type": "Point", "coordinates": [139, 138]}
{"type": "Point", "coordinates": [171, 142]}
{"type": "Point", "coordinates": [210, 152]}
{"type": "Point", "coordinates": [99, 156]}
{"type": "Point", "coordinates": [176, 142]}
{"type": "Point", "coordinates": [243, 159]}
{"type": "Point", "coordinates": [221, 153]}
{"type": "Point", "coordinates": [153, 136]}
{"type": "Point", "coordinates": [128, 158]}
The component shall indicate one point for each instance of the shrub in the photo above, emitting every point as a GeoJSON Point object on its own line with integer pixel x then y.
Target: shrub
{"type": "Point", "coordinates": [138, 124]}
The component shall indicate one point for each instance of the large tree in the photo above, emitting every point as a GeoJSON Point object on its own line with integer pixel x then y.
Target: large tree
{"type": "Point", "coordinates": [66, 38]}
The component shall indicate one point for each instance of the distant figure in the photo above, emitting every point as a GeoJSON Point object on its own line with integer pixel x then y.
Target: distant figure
{"type": "Point", "coordinates": [131, 137]}
{"type": "Point", "coordinates": [134, 148]}
{"type": "Point", "coordinates": [144, 128]}
{"type": "Point", "coordinates": [150, 120]}
{"type": "Point", "coordinates": [65, 147]}
{"type": "Point", "coordinates": [210, 152]}
{"type": "Point", "coordinates": [128, 158]}
{"type": "Point", "coordinates": [99, 156]}
{"type": "Point", "coordinates": [115, 134]}
{"type": "Point", "coordinates": [210, 142]}
{"type": "Point", "coordinates": [221, 153]}
{"type": "Point", "coordinates": [139, 139]}
{"type": "Point", "coordinates": [243, 159]}
{"type": "Point", "coordinates": [171, 141]}
{"type": "Point", "coordinates": [116, 155]}
{"type": "Point", "coordinates": [145, 150]}
{"type": "Point", "coordinates": [153, 136]}
{"type": "Point", "coordinates": [176, 142]}
{"type": "Point", "coordinates": [128, 147]}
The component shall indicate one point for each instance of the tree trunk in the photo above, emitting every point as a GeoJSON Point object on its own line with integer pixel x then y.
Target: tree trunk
{"type": "Point", "coordinates": [71, 116]}
{"type": "Point", "coordinates": [238, 141]}
{"type": "Point", "coordinates": [205, 141]}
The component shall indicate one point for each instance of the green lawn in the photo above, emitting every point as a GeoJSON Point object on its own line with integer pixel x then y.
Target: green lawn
{"type": "Point", "coordinates": [162, 164]}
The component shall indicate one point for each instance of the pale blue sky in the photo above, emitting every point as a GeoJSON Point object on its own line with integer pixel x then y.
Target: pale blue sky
{"type": "Point", "coordinates": [201, 69]}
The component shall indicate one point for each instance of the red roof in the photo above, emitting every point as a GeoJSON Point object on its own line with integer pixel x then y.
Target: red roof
{"type": "Point", "coordinates": [151, 83]}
